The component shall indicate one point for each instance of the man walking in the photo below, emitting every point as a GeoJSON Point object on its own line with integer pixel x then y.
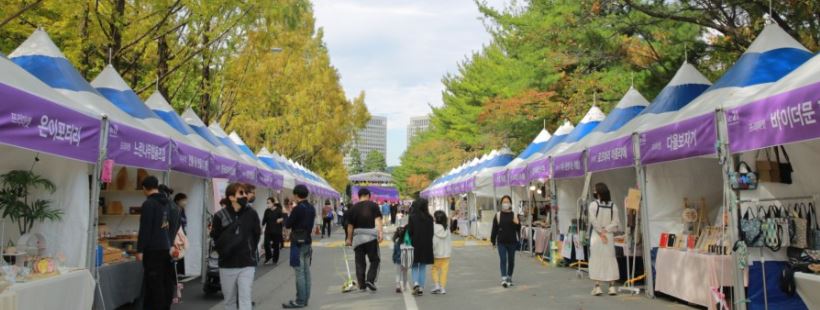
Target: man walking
{"type": "Point", "coordinates": [364, 230]}
{"type": "Point", "coordinates": [327, 218]}
{"type": "Point", "coordinates": [385, 208]}
{"type": "Point", "coordinates": [300, 220]}
{"type": "Point", "coordinates": [154, 244]}
{"type": "Point", "coordinates": [273, 220]}
{"type": "Point", "coordinates": [236, 231]}
{"type": "Point", "coordinates": [394, 209]}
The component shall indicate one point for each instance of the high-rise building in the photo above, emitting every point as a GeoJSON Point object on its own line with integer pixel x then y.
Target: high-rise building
{"type": "Point", "coordinates": [372, 138]}
{"type": "Point", "coordinates": [418, 124]}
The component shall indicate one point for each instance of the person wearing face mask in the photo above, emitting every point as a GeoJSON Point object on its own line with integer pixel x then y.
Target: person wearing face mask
{"type": "Point", "coordinates": [505, 236]}
{"type": "Point", "coordinates": [181, 200]}
{"type": "Point", "coordinates": [272, 220]}
{"type": "Point", "coordinates": [236, 230]}
{"type": "Point", "coordinates": [603, 217]}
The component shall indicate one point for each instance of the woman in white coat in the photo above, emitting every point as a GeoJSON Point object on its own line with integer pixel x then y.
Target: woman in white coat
{"type": "Point", "coordinates": [603, 217]}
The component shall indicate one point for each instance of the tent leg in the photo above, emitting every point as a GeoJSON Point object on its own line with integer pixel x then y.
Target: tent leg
{"type": "Point", "coordinates": [94, 203]}
{"type": "Point", "coordinates": [208, 193]}
{"type": "Point", "coordinates": [643, 218]}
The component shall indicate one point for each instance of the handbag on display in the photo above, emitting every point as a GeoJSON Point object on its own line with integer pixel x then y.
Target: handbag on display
{"type": "Point", "coordinates": [799, 224]}
{"type": "Point", "coordinates": [743, 178]}
{"type": "Point", "coordinates": [767, 170]}
{"type": "Point", "coordinates": [750, 229]}
{"type": "Point", "coordinates": [785, 168]}
{"type": "Point", "coordinates": [771, 230]}
{"type": "Point", "coordinates": [815, 228]}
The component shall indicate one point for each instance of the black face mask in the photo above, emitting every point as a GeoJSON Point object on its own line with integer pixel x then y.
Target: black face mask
{"type": "Point", "coordinates": [243, 201]}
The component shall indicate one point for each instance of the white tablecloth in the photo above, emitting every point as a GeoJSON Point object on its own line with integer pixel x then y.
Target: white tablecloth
{"type": "Point", "coordinates": [690, 276]}
{"type": "Point", "coordinates": [808, 286]}
{"type": "Point", "coordinates": [70, 291]}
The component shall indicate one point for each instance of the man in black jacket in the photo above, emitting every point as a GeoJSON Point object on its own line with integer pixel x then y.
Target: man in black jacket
{"type": "Point", "coordinates": [300, 220]}
{"type": "Point", "coordinates": [154, 244]}
{"type": "Point", "coordinates": [273, 220]}
{"type": "Point", "coordinates": [236, 232]}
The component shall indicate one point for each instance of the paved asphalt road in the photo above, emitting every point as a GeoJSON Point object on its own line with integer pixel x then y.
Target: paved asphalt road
{"type": "Point", "coordinates": [473, 284]}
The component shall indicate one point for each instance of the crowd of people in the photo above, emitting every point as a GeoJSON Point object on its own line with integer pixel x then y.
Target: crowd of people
{"type": "Point", "coordinates": [421, 238]}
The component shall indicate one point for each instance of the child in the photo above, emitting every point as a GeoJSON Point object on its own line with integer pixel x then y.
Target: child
{"type": "Point", "coordinates": [442, 246]}
{"type": "Point", "coordinates": [401, 271]}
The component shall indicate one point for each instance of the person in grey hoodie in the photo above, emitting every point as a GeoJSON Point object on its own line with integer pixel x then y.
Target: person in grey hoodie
{"type": "Point", "coordinates": [442, 248]}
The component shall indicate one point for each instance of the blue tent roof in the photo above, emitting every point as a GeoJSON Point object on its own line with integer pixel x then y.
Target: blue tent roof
{"type": "Point", "coordinates": [590, 121]}
{"type": "Point", "coordinates": [558, 137]}
{"type": "Point", "coordinates": [630, 105]}
{"type": "Point", "coordinates": [537, 143]}
{"type": "Point", "coordinates": [687, 84]}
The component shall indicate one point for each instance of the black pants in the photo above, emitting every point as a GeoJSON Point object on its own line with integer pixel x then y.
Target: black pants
{"type": "Point", "coordinates": [273, 243]}
{"type": "Point", "coordinates": [326, 222]}
{"type": "Point", "coordinates": [371, 250]}
{"type": "Point", "coordinates": [158, 280]}
{"type": "Point", "coordinates": [393, 218]}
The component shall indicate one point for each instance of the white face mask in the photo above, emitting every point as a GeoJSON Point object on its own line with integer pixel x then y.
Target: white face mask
{"type": "Point", "coordinates": [506, 206]}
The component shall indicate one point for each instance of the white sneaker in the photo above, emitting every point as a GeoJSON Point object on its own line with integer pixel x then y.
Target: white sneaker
{"type": "Point", "coordinates": [510, 282]}
{"type": "Point", "coordinates": [597, 291]}
{"type": "Point", "coordinates": [442, 291]}
{"type": "Point", "coordinates": [612, 291]}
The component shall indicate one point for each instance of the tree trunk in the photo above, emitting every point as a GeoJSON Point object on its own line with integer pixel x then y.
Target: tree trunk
{"type": "Point", "coordinates": [87, 47]}
{"type": "Point", "coordinates": [205, 83]}
{"type": "Point", "coordinates": [116, 34]}
{"type": "Point", "coordinates": [162, 65]}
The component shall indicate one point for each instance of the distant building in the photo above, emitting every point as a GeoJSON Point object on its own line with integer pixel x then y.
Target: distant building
{"type": "Point", "coordinates": [372, 138]}
{"type": "Point", "coordinates": [418, 124]}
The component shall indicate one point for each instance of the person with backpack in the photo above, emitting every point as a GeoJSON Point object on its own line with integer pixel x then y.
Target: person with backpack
{"type": "Point", "coordinates": [401, 270]}
{"type": "Point", "coordinates": [505, 236]}
{"type": "Point", "coordinates": [442, 247]}
{"type": "Point", "coordinates": [603, 218]}
{"type": "Point", "coordinates": [420, 229]}
{"type": "Point", "coordinates": [327, 218]}
{"type": "Point", "coordinates": [300, 220]}
{"type": "Point", "coordinates": [236, 231]}
{"type": "Point", "coordinates": [154, 243]}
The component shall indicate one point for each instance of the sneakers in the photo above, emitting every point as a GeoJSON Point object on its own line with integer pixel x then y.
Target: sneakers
{"type": "Point", "coordinates": [506, 282]}
{"type": "Point", "coordinates": [398, 290]}
{"type": "Point", "coordinates": [612, 291]}
{"type": "Point", "coordinates": [509, 282]}
{"type": "Point", "coordinates": [436, 290]}
{"type": "Point", "coordinates": [371, 286]}
{"type": "Point", "coordinates": [417, 291]}
{"type": "Point", "coordinates": [597, 291]}
{"type": "Point", "coordinates": [292, 305]}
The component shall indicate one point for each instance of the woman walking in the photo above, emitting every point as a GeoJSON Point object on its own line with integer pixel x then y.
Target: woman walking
{"type": "Point", "coordinates": [442, 247]}
{"type": "Point", "coordinates": [505, 235]}
{"type": "Point", "coordinates": [420, 229]}
{"type": "Point", "coordinates": [603, 216]}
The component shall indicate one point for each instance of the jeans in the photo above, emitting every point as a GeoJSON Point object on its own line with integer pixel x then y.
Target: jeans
{"type": "Point", "coordinates": [506, 252]}
{"type": "Point", "coordinates": [158, 279]}
{"type": "Point", "coordinates": [273, 243]}
{"type": "Point", "coordinates": [419, 274]}
{"type": "Point", "coordinates": [303, 274]}
{"type": "Point", "coordinates": [369, 250]}
{"type": "Point", "coordinates": [237, 285]}
{"type": "Point", "coordinates": [326, 226]}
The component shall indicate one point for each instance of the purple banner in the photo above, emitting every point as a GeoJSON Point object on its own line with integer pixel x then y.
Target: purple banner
{"type": "Point", "coordinates": [278, 182]}
{"type": "Point", "coordinates": [190, 160]}
{"type": "Point", "coordinates": [223, 168]}
{"type": "Point", "coordinates": [134, 147]}
{"type": "Point", "coordinates": [30, 122]}
{"type": "Point", "coordinates": [518, 176]}
{"type": "Point", "coordinates": [569, 166]}
{"type": "Point", "coordinates": [779, 119]}
{"type": "Point", "coordinates": [614, 154]}
{"type": "Point", "coordinates": [500, 179]}
{"type": "Point", "coordinates": [377, 193]}
{"type": "Point", "coordinates": [246, 173]}
{"type": "Point", "coordinates": [690, 138]}
{"type": "Point", "coordinates": [539, 169]}
{"type": "Point", "coordinates": [265, 178]}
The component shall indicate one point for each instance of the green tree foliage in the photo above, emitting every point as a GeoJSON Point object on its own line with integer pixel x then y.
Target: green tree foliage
{"type": "Point", "coordinates": [375, 162]}
{"type": "Point", "coordinates": [548, 58]}
{"type": "Point", "coordinates": [217, 57]}
{"type": "Point", "coordinates": [356, 165]}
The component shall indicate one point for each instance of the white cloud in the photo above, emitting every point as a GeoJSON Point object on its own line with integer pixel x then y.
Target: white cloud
{"type": "Point", "coordinates": [397, 51]}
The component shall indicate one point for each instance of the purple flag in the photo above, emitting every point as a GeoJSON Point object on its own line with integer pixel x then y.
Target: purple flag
{"type": "Point", "coordinates": [500, 179]}
{"type": "Point", "coordinates": [223, 168]}
{"type": "Point", "coordinates": [539, 169]}
{"type": "Point", "coordinates": [569, 166]}
{"type": "Point", "coordinates": [614, 154]}
{"type": "Point", "coordinates": [246, 173]}
{"type": "Point", "coordinates": [779, 119]}
{"type": "Point", "coordinates": [30, 122]}
{"type": "Point", "coordinates": [134, 147]}
{"type": "Point", "coordinates": [690, 138]}
{"type": "Point", "coordinates": [517, 176]}
{"type": "Point", "coordinates": [190, 160]}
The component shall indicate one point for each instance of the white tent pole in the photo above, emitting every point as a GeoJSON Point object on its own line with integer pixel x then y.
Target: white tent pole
{"type": "Point", "coordinates": [94, 203]}
{"type": "Point", "coordinates": [643, 215]}
{"type": "Point", "coordinates": [730, 202]}
{"type": "Point", "coordinates": [206, 207]}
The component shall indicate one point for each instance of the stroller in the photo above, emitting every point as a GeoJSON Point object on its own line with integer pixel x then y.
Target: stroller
{"type": "Point", "coordinates": [211, 284]}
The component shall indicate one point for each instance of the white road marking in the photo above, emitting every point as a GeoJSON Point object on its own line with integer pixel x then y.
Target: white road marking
{"type": "Point", "coordinates": [409, 301]}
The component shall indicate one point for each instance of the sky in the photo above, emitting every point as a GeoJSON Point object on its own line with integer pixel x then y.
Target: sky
{"type": "Point", "coordinates": [397, 51]}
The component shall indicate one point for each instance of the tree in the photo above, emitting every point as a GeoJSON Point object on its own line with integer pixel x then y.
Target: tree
{"type": "Point", "coordinates": [356, 165]}
{"type": "Point", "coordinates": [375, 162]}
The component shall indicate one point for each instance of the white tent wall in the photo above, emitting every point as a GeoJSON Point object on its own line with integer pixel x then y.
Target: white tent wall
{"type": "Point", "coordinates": [568, 192]}
{"type": "Point", "coordinates": [803, 157]}
{"type": "Point", "coordinates": [194, 188]}
{"type": "Point", "coordinates": [667, 184]}
{"type": "Point", "coordinates": [68, 235]}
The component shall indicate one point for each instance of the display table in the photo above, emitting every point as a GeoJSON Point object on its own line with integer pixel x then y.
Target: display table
{"type": "Point", "coordinates": [690, 276]}
{"type": "Point", "coordinates": [807, 287]}
{"type": "Point", "coordinates": [542, 235]}
{"type": "Point", "coordinates": [120, 284]}
{"type": "Point", "coordinates": [69, 291]}
{"type": "Point", "coordinates": [464, 227]}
